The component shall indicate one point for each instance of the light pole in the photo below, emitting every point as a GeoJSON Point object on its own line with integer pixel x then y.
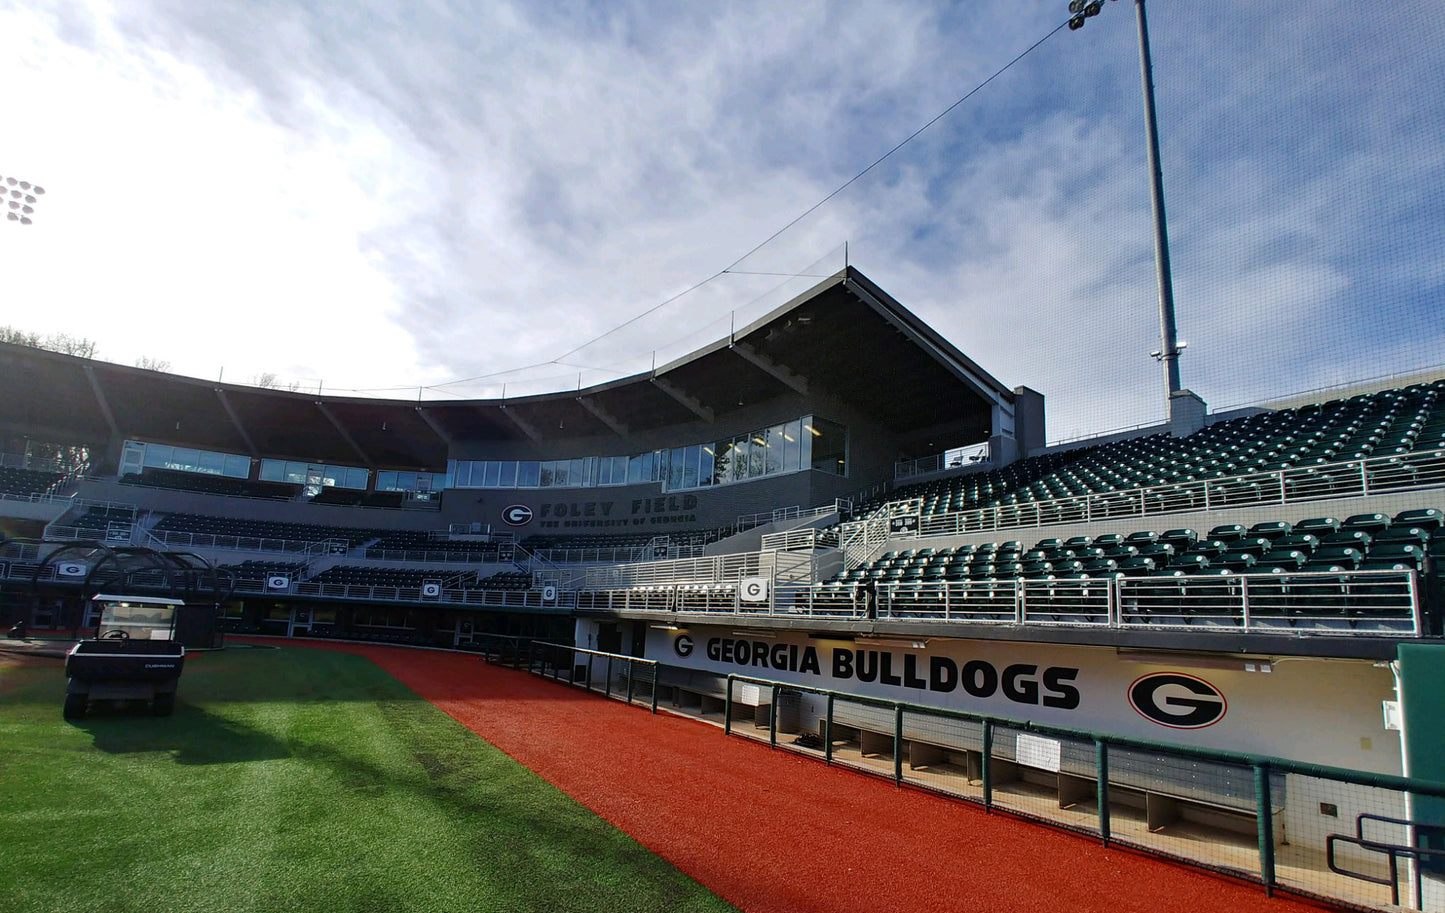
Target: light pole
{"type": "Point", "coordinates": [1170, 348]}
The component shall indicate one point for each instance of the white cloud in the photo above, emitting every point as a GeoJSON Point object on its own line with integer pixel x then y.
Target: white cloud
{"type": "Point", "coordinates": [376, 195]}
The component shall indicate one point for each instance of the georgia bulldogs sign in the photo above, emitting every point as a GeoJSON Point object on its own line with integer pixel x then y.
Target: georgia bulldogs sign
{"type": "Point", "coordinates": [1177, 700]}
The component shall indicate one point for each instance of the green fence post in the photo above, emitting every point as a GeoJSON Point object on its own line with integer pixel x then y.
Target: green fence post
{"type": "Point", "coordinates": [897, 744]}
{"type": "Point", "coordinates": [631, 674]}
{"type": "Point", "coordinates": [1264, 813]}
{"type": "Point", "coordinates": [728, 709]}
{"type": "Point", "coordinates": [773, 718]}
{"type": "Point", "coordinates": [828, 732]}
{"type": "Point", "coordinates": [988, 765]}
{"type": "Point", "coordinates": [607, 688]}
{"type": "Point", "coordinates": [654, 690]}
{"type": "Point", "coordinates": [1101, 789]}
{"type": "Point", "coordinates": [586, 676]}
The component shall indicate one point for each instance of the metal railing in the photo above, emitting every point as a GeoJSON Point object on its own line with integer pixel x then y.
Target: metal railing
{"type": "Point", "coordinates": [1351, 478]}
{"type": "Point", "coordinates": [563, 600]}
{"type": "Point", "coordinates": [312, 549]}
{"type": "Point", "coordinates": [799, 539]}
{"type": "Point", "coordinates": [749, 521]}
{"type": "Point", "coordinates": [630, 679]}
{"type": "Point", "coordinates": [709, 569]}
{"type": "Point", "coordinates": [1417, 853]}
{"type": "Point", "coordinates": [1356, 603]}
{"type": "Point", "coordinates": [1269, 820]}
{"type": "Point", "coordinates": [1273, 821]}
{"type": "Point", "coordinates": [614, 555]}
{"type": "Point", "coordinates": [974, 457]}
{"type": "Point", "coordinates": [433, 555]}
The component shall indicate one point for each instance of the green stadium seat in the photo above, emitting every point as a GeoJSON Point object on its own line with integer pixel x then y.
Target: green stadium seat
{"type": "Point", "coordinates": [1318, 526]}
{"type": "Point", "coordinates": [1426, 518]}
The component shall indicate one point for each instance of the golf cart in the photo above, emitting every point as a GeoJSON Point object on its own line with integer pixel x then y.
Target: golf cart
{"type": "Point", "coordinates": [133, 657]}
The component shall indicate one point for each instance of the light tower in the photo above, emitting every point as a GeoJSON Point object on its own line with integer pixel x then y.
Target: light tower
{"type": "Point", "coordinates": [1170, 347]}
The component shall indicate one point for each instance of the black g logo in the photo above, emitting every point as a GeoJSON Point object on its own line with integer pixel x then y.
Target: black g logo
{"type": "Point", "coordinates": [682, 645]}
{"type": "Point", "coordinates": [517, 515]}
{"type": "Point", "coordinates": [1177, 700]}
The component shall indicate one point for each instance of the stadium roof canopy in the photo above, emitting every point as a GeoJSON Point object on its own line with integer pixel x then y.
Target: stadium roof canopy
{"type": "Point", "coordinates": [845, 340]}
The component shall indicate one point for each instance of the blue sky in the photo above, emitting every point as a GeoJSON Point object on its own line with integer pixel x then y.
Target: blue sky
{"type": "Point", "coordinates": [393, 196]}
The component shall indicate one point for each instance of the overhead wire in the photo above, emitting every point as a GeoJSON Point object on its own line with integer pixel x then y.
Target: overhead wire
{"type": "Point", "coordinates": [732, 267]}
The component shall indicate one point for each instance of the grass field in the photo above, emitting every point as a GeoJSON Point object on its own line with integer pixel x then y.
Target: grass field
{"type": "Point", "coordinates": [296, 780]}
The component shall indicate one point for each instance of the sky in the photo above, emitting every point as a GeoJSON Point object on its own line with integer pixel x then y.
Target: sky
{"type": "Point", "coordinates": [433, 200]}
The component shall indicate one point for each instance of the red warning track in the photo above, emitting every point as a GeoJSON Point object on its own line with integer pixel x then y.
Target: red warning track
{"type": "Point", "coordinates": [769, 830]}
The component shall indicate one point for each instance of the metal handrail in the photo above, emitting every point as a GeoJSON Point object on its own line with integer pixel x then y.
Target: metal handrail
{"type": "Point", "coordinates": [1331, 603]}
{"type": "Point", "coordinates": [1284, 486]}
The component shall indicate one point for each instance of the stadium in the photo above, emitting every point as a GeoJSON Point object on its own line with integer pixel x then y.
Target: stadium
{"type": "Point", "coordinates": [806, 607]}
{"type": "Point", "coordinates": [1219, 632]}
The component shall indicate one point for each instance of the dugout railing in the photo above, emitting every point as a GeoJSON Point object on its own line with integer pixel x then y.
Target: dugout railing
{"type": "Point", "coordinates": [630, 679]}
{"type": "Point", "coordinates": [1281, 823]}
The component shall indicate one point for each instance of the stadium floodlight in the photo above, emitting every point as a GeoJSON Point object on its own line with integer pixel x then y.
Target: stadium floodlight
{"type": "Point", "coordinates": [19, 198]}
{"type": "Point", "coordinates": [1168, 352]}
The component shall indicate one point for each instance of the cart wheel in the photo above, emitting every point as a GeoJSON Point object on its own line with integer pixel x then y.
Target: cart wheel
{"type": "Point", "coordinates": [164, 704]}
{"type": "Point", "coordinates": [75, 706]}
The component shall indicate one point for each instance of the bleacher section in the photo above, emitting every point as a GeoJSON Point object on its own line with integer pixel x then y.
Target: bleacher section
{"type": "Point", "coordinates": [1360, 541]}
{"type": "Point", "coordinates": [358, 575]}
{"type": "Point", "coordinates": [102, 522]}
{"type": "Point", "coordinates": [348, 497]}
{"type": "Point", "coordinates": [617, 546]}
{"type": "Point", "coordinates": [202, 525]}
{"type": "Point", "coordinates": [420, 545]}
{"type": "Point", "coordinates": [1388, 423]}
{"type": "Point", "coordinates": [27, 483]}
{"type": "Point", "coordinates": [208, 483]}
{"type": "Point", "coordinates": [261, 572]}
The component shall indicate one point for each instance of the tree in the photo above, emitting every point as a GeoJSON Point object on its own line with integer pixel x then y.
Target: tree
{"type": "Point", "coordinates": [19, 337]}
{"type": "Point", "coordinates": [63, 343]}
{"type": "Point", "coordinates": [152, 364]}
{"type": "Point", "coordinates": [70, 345]}
{"type": "Point", "coordinates": [266, 381]}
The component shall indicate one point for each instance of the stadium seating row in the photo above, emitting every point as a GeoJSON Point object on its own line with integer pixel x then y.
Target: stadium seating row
{"type": "Point", "coordinates": [210, 483]}
{"type": "Point", "coordinates": [1403, 421]}
{"type": "Point", "coordinates": [27, 483]}
{"type": "Point", "coordinates": [1359, 542]}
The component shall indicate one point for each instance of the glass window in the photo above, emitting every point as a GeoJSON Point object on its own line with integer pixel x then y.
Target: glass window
{"type": "Point", "coordinates": [549, 474]}
{"type": "Point", "coordinates": [529, 474]}
{"type": "Point", "coordinates": [830, 446]}
{"type": "Point", "coordinates": [184, 458]}
{"type": "Point", "coordinates": [741, 446]}
{"type": "Point", "coordinates": [237, 466]}
{"type": "Point", "coordinates": [773, 462]}
{"type": "Point", "coordinates": [509, 474]}
{"type": "Point", "coordinates": [757, 455]}
{"type": "Point", "coordinates": [273, 470]}
{"type": "Point", "coordinates": [791, 446]}
{"type": "Point", "coordinates": [491, 473]}
{"type": "Point", "coordinates": [640, 468]}
{"type": "Point", "coordinates": [722, 462]}
{"type": "Point", "coordinates": [704, 464]}
{"type": "Point", "coordinates": [576, 473]}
